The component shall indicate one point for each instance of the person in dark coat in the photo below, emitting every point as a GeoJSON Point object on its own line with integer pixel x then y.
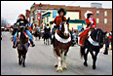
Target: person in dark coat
{"type": "Point", "coordinates": [106, 45]}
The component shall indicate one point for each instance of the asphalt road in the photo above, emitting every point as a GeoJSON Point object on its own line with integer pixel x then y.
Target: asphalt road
{"type": "Point", "coordinates": [40, 61]}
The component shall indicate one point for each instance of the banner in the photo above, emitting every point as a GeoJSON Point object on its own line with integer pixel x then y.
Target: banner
{"type": "Point", "coordinates": [38, 16]}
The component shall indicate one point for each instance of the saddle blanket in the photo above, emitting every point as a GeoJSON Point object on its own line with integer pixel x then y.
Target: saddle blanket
{"type": "Point", "coordinates": [20, 46]}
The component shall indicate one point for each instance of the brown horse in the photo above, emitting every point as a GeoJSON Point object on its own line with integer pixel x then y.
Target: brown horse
{"type": "Point", "coordinates": [36, 34]}
{"type": "Point", "coordinates": [61, 44]}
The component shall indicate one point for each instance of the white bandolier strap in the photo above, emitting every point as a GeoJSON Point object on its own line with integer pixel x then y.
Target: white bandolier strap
{"type": "Point", "coordinates": [92, 41]}
{"type": "Point", "coordinates": [61, 39]}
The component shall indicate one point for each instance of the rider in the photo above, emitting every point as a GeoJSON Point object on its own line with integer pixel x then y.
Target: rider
{"type": "Point", "coordinates": [22, 22]}
{"type": "Point", "coordinates": [47, 28]}
{"type": "Point", "coordinates": [32, 25]}
{"type": "Point", "coordinates": [58, 20]}
{"type": "Point", "coordinates": [91, 23]}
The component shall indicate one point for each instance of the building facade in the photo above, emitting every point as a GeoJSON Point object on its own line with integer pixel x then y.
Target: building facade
{"type": "Point", "coordinates": [49, 12]}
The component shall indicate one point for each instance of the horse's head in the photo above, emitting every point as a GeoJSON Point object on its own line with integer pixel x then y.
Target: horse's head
{"type": "Point", "coordinates": [64, 27]}
{"type": "Point", "coordinates": [20, 35]}
{"type": "Point", "coordinates": [100, 37]}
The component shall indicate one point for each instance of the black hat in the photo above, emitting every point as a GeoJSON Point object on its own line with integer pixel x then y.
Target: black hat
{"type": "Point", "coordinates": [62, 10]}
{"type": "Point", "coordinates": [89, 14]}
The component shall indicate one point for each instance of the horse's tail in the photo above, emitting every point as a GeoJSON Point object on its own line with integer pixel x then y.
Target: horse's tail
{"type": "Point", "coordinates": [82, 51]}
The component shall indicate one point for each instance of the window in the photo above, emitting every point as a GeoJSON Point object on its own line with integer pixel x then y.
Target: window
{"type": "Point", "coordinates": [72, 15]}
{"type": "Point", "coordinates": [97, 13]}
{"type": "Point", "coordinates": [105, 21]}
{"type": "Point", "coordinates": [105, 13]}
{"type": "Point", "coordinates": [97, 20]}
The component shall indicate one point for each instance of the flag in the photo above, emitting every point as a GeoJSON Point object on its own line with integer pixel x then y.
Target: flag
{"type": "Point", "coordinates": [38, 16]}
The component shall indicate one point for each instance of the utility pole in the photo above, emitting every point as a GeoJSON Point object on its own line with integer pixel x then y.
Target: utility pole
{"type": "Point", "coordinates": [40, 6]}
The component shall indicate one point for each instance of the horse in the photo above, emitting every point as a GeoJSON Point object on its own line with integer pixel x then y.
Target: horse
{"type": "Point", "coordinates": [46, 35]}
{"type": "Point", "coordinates": [14, 31]}
{"type": "Point", "coordinates": [22, 46]}
{"type": "Point", "coordinates": [61, 44]}
{"type": "Point", "coordinates": [94, 43]}
{"type": "Point", "coordinates": [37, 34]}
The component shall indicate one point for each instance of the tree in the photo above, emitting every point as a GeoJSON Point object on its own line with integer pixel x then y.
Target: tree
{"type": "Point", "coordinates": [4, 22]}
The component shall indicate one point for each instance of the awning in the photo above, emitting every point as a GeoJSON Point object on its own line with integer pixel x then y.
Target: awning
{"type": "Point", "coordinates": [74, 21]}
{"type": "Point", "coordinates": [77, 21]}
{"type": "Point", "coordinates": [48, 13]}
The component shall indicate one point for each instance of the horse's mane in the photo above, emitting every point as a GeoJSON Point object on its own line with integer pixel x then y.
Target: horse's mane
{"type": "Point", "coordinates": [23, 37]}
{"type": "Point", "coordinates": [94, 33]}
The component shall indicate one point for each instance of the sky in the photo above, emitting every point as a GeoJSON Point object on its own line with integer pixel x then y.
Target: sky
{"type": "Point", "coordinates": [11, 9]}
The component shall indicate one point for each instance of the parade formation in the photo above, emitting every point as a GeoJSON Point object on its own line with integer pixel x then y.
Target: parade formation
{"type": "Point", "coordinates": [89, 40]}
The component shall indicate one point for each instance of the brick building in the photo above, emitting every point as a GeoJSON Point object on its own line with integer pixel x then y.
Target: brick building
{"type": "Point", "coordinates": [103, 16]}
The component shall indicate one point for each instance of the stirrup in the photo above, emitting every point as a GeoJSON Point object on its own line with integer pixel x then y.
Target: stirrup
{"type": "Point", "coordinates": [14, 46]}
{"type": "Point", "coordinates": [33, 45]}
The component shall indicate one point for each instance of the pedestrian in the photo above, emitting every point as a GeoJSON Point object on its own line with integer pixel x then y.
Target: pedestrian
{"type": "Point", "coordinates": [110, 37]}
{"type": "Point", "coordinates": [106, 44]}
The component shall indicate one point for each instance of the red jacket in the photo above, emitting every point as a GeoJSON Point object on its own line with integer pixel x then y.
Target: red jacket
{"type": "Point", "coordinates": [89, 22]}
{"type": "Point", "coordinates": [58, 20]}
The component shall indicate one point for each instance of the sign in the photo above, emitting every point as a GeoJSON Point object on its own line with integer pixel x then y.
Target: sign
{"type": "Point", "coordinates": [54, 14]}
{"type": "Point", "coordinates": [79, 27]}
{"type": "Point", "coordinates": [38, 16]}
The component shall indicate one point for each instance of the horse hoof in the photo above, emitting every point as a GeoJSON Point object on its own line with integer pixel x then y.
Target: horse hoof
{"type": "Point", "coordinates": [20, 62]}
{"type": "Point", "coordinates": [24, 66]}
{"type": "Point", "coordinates": [59, 70]}
{"type": "Point", "coordinates": [85, 64]}
{"type": "Point", "coordinates": [56, 65]}
{"type": "Point", "coordinates": [94, 67]}
{"type": "Point", "coordinates": [65, 68]}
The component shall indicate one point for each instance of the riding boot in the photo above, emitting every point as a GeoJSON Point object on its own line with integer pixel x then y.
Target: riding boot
{"type": "Point", "coordinates": [32, 43]}
{"type": "Point", "coordinates": [14, 45]}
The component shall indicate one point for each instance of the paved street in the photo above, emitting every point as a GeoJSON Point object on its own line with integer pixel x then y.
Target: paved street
{"type": "Point", "coordinates": [40, 61]}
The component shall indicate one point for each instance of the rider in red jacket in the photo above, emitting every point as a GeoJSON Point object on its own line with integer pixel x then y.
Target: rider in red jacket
{"type": "Point", "coordinates": [58, 20]}
{"type": "Point", "coordinates": [91, 23]}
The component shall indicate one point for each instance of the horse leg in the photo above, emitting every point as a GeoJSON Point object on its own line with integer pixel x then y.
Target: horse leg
{"type": "Point", "coordinates": [94, 59]}
{"type": "Point", "coordinates": [24, 56]}
{"type": "Point", "coordinates": [19, 56]}
{"type": "Point", "coordinates": [44, 40]}
{"type": "Point", "coordinates": [59, 68]}
{"type": "Point", "coordinates": [85, 58]}
{"type": "Point", "coordinates": [48, 41]}
{"type": "Point", "coordinates": [39, 37]}
{"type": "Point", "coordinates": [63, 61]}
